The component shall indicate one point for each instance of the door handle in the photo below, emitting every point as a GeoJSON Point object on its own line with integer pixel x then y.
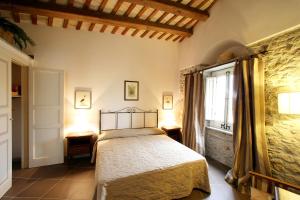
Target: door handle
{"type": "Point", "coordinates": [11, 119]}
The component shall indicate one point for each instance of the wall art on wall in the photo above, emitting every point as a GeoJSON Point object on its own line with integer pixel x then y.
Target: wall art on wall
{"type": "Point", "coordinates": [83, 98]}
{"type": "Point", "coordinates": [131, 90]}
{"type": "Point", "coordinates": [167, 102]}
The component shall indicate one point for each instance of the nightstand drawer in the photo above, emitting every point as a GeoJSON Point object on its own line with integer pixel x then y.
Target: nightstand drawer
{"type": "Point", "coordinates": [80, 144]}
{"type": "Point", "coordinates": [79, 149]}
{"type": "Point", "coordinates": [173, 132]}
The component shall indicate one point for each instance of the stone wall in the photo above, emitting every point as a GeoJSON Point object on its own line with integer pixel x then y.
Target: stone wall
{"type": "Point", "coordinates": [282, 73]}
{"type": "Point", "coordinates": [219, 146]}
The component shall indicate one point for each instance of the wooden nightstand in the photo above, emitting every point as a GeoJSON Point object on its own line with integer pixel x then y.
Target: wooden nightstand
{"type": "Point", "coordinates": [173, 132]}
{"type": "Point", "coordinates": [80, 143]}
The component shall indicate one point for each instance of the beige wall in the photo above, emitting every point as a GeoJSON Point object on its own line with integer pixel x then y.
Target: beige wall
{"type": "Point", "coordinates": [234, 22]}
{"type": "Point", "coordinates": [102, 62]}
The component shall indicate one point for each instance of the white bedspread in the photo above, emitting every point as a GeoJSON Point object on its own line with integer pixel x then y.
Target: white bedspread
{"type": "Point", "coordinates": [145, 166]}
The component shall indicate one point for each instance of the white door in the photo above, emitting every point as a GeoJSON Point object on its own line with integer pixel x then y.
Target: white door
{"type": "Point", "coordinates": [46, 96]}
{"type": "Point", "coordinates": [5, 125]}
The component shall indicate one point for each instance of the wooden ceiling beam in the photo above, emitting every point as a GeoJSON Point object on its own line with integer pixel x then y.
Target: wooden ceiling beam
{"type": "Point", "coordinates": [103, 28]}
{"type": "Point", "coordinates": [171, 19]}
{"type": "Point", "coordinates": [176, 38]}
{"type": "Point", "coordinates": [153, 34]}
{"type": "Point", "coordinates": [50, 21]}
{"type": "Point", "coordinates": [65, 23]}
{"type": "Point", "coordinates": [134, 32]}
{"type": "Point", "coordinates": [91, 27]}
{"type": "Point", "coordinates": [125, 31]}
{"type": "Point", "coordinates": [161, 36]}
{"type": "Point", "coordinates": [180, 21]}
{"type": "Point", "coordinates": [169, 37]}
{"type": "Point", "coordinates": [33, 19]}
{"type": "Point", "coordinates": [78, 26]}
{"type": "Point", "coordinates": [144, 34]}
{"type": "Point", "coordinates": [191, 2]}
{"type": "Point", "coordinates": [202, 4]}
{"type": "Point", "coordinates": [152, 14]}
{"type": "Point", "coordinates": [91, 16]}
{"type": "Point", "coordinates": [129, 10]}
{"type": "Point", "coordinates": [162, 17]}
{"type": "Point", "coordinates": [182, 38]}
{"type": "Point", "coordinates": [127, 13]}
{"type": "Point", "coordinates": [102, 5]}
{"type": "Point", "coordinates": [16, 17]}
{"type": "Point", "coordinates": [141, 12]}
{"type": "Point", "coordinates": [115, 29]}
{"type": "Point", "coordinates": [176, 8]}
{"type": "Point", "coordinates": [114, 11]}
{"type": "Point", "coordinates": [117, 6]}
{"type": "Point", "coordinates": [87, 3]}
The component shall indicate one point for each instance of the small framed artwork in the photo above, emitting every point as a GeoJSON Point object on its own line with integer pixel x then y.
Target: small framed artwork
{"type": "Point", "coordinates": [167, 102]}
{"type": "Point", "coordinates": [83, 99]}
{"type": "Point", "coordinates": [131, 90]}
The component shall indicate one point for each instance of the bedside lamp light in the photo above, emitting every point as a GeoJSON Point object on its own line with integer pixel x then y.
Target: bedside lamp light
{"type": "Point", "coordinates": [289, 103]}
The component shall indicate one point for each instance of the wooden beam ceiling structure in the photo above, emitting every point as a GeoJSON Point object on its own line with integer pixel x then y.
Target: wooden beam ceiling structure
{"type": "Point", "coordinates": [171, 20]}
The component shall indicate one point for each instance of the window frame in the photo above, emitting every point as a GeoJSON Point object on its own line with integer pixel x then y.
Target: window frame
{"type": "Point", "coordinates": [228, 70]}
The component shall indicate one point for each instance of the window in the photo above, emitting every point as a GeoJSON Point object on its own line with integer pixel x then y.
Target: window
{"type": "Point", "coordinates": [218, 102]}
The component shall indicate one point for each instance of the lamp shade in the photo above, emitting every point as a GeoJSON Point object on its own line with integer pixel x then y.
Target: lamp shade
{"type": "Point", "coordinates": [289, 103]}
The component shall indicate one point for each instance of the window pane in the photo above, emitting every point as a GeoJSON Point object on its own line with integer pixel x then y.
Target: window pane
{"type": "Point", "coordinates": [209, 94]}
{"type": "Point", "coordinates": [219, 98]}
{"type": "Point", "coordinates": [230, 114]}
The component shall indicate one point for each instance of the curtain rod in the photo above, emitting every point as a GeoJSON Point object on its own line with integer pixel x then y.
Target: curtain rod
{"type": "Point", "coordinates": [224, 63]}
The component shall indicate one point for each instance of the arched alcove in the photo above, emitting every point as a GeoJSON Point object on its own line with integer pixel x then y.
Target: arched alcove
{"type": "Point", "coordinates": [225, 50]}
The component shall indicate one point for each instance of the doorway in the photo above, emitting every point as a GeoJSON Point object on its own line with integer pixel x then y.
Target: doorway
{"type": "Point", "coordinates": [19, 81]}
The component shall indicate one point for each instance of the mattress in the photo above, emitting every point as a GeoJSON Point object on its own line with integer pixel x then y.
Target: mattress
{"type": "Point", "coordinates": [146, 164]}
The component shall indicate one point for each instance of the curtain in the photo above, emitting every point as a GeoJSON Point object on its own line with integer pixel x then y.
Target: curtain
{"type": "Point", "coordinates": [249, 140]}
{"type": "Point", "coordinates": [194, 114]}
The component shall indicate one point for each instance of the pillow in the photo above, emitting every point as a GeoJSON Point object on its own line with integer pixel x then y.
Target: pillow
{"type": "Point", "coordinates": [123, 133]}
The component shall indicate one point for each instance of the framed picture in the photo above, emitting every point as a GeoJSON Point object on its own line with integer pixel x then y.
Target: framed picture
{"type": "Point", "coordinates": [168, 102]}
{"type": "Point", "coordinates": [83, 99]}
{"type": "Point", "coordinates": [131, 90]}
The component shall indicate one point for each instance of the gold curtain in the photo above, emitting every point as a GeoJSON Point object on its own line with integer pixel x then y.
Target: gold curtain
{"type": "Point", "coordinates": [193, 115]}
{"type": "Point", "coordinates": [249, 140]}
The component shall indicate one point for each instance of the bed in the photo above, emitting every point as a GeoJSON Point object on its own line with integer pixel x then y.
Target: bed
{"type": "Point", "coordinates": [144, 163]}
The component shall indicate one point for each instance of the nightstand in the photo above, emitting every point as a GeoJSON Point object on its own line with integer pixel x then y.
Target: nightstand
{"type": "Point", "coordinates": [173, 132]}
{"type": "Point", "coordinates": [80, 143]}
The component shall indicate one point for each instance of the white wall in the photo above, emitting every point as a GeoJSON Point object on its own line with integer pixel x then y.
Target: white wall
{"type": "Point", "coordinates": [237, 21]}
{"type": "Point", "coordinates": [102, 62]}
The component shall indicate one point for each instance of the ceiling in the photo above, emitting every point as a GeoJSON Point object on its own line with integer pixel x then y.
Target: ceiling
{"type": "Point", "coordinates": [171, 20]}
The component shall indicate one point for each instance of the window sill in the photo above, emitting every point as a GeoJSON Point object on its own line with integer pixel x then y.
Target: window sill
{"type": "Point", "coordinates": [219, 130]}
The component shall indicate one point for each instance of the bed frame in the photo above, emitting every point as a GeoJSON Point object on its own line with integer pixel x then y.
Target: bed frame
{"type": "Point", "coordinates": [131, 111]}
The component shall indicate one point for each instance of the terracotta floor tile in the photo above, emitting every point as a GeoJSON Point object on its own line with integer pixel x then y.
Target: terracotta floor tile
{"type": "Point", "coordinates": [75, 181]}
{"type": "Point", "coordinates": [6, 198]}
{"type": "Point", "coordinates": [23, 173]}
{"type": "Point", "coordinates": [38, 188]}
{"type": "Point", "coordinates": [72, 189]}
{"type": "Point", "coordinates": [80, 174]}
{"type": "Point", "coordinates": [18, 185]}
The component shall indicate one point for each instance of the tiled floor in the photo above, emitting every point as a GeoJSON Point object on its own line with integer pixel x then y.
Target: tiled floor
{"type": "Point", "coordinates": [76, 181]}
{"type": "Point", "coordinates": [220, 189]}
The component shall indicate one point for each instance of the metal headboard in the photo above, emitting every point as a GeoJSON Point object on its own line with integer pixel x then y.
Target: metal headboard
{"type": "Point", "coordinates": [131, 111]}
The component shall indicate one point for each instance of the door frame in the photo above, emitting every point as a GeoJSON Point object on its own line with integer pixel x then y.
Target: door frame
{"type": "Point", "coordinates": [24, 111]}
{"type": "Point", "coordinates": [13, 55]}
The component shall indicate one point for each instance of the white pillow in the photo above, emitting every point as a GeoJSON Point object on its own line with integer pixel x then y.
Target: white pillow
{"type": "Point", "coordinates": [123, 133]}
